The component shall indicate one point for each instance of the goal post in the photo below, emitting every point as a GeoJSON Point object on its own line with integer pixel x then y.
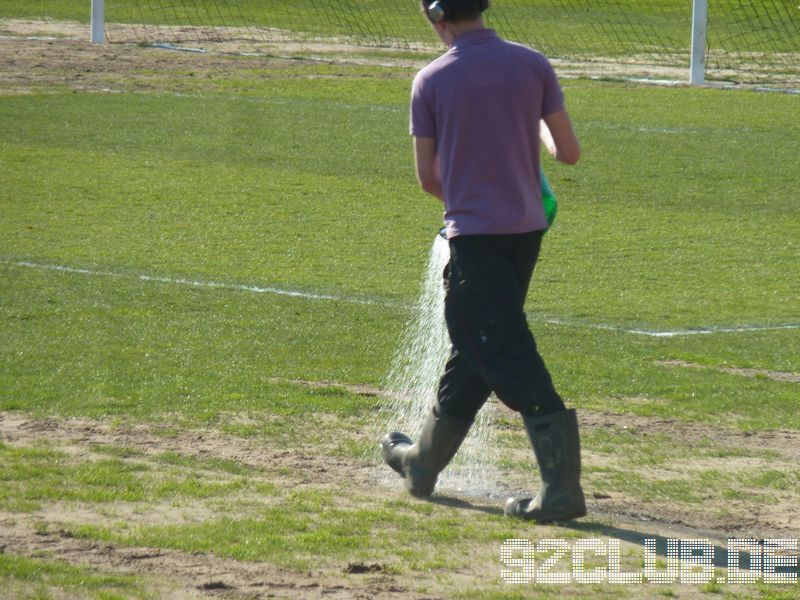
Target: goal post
{"type": "Point", "coordinates": [697, 67]}
{"type": "Point", "coordinates": [98, 22]}
{"type": "Point", "coordinates": [737, 41]}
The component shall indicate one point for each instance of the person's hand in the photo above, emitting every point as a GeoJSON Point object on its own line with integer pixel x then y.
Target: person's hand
{"type": "Point", "coordinates": [547, 138]}
{"type": "Point", "coordinates": [566, 148]}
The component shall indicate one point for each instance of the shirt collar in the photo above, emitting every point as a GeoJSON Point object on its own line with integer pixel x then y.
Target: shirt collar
{"type": "Point", "coordinates": [471, 37]}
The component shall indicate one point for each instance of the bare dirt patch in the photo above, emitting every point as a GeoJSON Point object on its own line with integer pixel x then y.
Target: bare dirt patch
{"type": "Point", "coordinates": [699, 449]}
{"type": "Point", "coordinates": [200, 575]}
{"type": "Point", "coordinates": [44, 28]}
{"type": "Point", "coordinates": [774, 375]}
{"type": "Point", "coordinates": [186, 575]}
{"type": "Point", "coordinates": [37, 55]}
{"type": "Point", "coordinates": [55, 65]}
{"type": "Point", "coordinates": [299, 464]}
{"type": "Point", "coordinates": [63, 48]}
{"type": "Point", "coordinates": [280, 44]}
{"type": "Point", "coordinates": [748, 511]}
{"type": "Point", "coordinates": [785, 443]}
{"type": "Point", "coordinates": [195, 575]}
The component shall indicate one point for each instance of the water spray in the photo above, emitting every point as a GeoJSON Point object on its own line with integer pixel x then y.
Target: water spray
{"type": "Point", "coordinates": [413, 380]}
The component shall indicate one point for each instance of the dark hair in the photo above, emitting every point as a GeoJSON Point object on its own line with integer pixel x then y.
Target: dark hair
{"type": "Point", "coordinates": [459, 10]}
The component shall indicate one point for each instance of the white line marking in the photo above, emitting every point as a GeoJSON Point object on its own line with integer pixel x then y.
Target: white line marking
{"type": "Point", "coordinates": [674, 333]}
{"type": "Point", "coordinates": [208, 284]}
{"type": "Point", "coordinates": [29, 37]}
{"type": "Point", "coordinates": [711, 330]}
{"type": "Point", "coordinates": [389, 304]}
{"type": "Point", "coordinates": [23, 263]}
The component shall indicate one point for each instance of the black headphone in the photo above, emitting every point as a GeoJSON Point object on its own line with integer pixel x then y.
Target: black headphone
{"type": "Point", "coordinates": [438, 11]}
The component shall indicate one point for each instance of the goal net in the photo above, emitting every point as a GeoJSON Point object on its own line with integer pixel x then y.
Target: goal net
{"type": "Point", "coordinates": [753, 41]}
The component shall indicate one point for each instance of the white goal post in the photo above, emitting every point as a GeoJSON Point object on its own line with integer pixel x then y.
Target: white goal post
{"type": "Point", "coordinates": [98, 22]}
{"type": "Point", "coordinates": [697, 67]}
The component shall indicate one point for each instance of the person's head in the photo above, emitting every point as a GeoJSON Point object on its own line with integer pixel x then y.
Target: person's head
{"type": "Point", "coordinates": [451, 17]}
{"type": "Point", "coordinates": [453, 11]}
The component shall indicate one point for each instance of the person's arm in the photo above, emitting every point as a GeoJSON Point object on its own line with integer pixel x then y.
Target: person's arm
{"type": "Point", "coordinates": [562, 143]}
{"type": "Point", "coordinates": [427, 168]}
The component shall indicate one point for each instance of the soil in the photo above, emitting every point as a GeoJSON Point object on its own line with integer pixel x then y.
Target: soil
{"type": "Point", "coordinates": [183, 574]}
{"type": "Point", "coordinates": [33, 53]}
{"type": "Point", "coordinates": [768, 374]}
{"type": "Point", "coordinates": [732, 518]}
{"type": "Point", "coordinates": [190, 575]}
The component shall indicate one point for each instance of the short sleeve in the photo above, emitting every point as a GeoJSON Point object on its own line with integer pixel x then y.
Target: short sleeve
{"type": "Point", "coordinates": [423, 114]}
{"type": "Point", "coordinates": [552, 96]}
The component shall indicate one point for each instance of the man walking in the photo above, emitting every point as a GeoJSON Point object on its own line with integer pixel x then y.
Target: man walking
{"type": "Point", "coordinates": [475, 119]}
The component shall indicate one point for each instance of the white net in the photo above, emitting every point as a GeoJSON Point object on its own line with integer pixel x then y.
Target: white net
{"type": "Point", "coordinates": [748, 40]}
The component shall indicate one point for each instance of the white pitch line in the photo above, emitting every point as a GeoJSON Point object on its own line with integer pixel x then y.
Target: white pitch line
{"type": "Point", "coordinates": [24, 263]}
{"type": "Point", "coordinates": [271, 290]}
{"type": "Point", "coordinates": [207, 284]}
{"type": "Point", "coordinates": [711, 330]}
{"type": "Point", "coordinates": [668, 334]}
{"type": "Point", "coordinates": [368, 302]}
{"type": "Point", "coordinates": [681, 332]}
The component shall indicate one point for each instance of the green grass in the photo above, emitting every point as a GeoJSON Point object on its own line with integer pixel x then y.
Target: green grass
{"type": "Point", "coordinates": [265, 197]}
{"type": "Point", "coordinates": [682, 214]}
{"type": "Point", "coordinates": [309, 529]}
{"type": "Point", "coordinates": [42, 579]}
{"type": "Point", "coordinates": [662, 226]}
{"type": "Point", "coordinates": [34, 476]}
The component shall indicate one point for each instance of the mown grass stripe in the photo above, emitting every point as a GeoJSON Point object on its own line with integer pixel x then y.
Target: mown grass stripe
{"type": "Point", "coordinates": [388, 304]}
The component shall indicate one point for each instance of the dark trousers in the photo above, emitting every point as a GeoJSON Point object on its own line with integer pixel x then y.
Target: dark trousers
{"type": "Point", "coordinates": [493, 350]}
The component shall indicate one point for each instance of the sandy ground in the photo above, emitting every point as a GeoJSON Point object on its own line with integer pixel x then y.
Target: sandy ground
{"type": "Point", "coordinates": [72, 39]}
{"type": "Point", "coordinates": [189, 575]}
{"type": "Point", "coordinates": [52, 41]}
{"type": "Point", "coordinates": [183, 574]}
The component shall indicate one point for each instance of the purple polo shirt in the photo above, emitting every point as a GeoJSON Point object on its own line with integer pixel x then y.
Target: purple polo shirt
{"type": "Point", "coordinates": [482, 101]}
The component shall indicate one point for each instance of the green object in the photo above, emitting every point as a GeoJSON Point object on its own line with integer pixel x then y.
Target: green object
{"type": "Point", "coordinates": [548, 200]}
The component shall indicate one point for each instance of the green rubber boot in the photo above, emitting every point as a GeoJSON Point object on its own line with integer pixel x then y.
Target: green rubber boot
{"type": "Point", "coordinates": [420, 464]}
{"type": "Point", "coordinates": [556, 443]}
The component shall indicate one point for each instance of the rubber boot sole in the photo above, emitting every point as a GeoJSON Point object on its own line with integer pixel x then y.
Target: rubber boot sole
{"type": "Point", "coordinates": [389, 450]}
{"type": "Point", "coordinates": [516, 507]}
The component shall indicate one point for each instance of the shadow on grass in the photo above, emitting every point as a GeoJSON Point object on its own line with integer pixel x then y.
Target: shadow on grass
{"type": "Point", "coordinates": [637, 536]}
{"type": "Point", "coordinates": [459, 503]}
{"type": "Point", "coordinates": [634, 535]}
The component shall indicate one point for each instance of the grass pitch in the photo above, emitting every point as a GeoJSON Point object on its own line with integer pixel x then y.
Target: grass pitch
{"type": "Point", "coordinates": [141, 411]}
